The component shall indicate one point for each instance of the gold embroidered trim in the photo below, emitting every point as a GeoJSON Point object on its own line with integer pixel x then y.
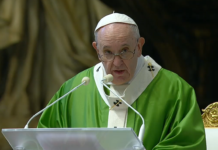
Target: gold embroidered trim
{"type": "Point", "coordinates": [210, 115]}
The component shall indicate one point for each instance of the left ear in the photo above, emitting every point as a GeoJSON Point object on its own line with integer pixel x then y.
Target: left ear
{"type": "Point", "coordinates": [141, 42]}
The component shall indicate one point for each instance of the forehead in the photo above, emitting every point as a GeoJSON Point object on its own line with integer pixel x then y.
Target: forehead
{"type": "Point", "coordinates": [117, 34]}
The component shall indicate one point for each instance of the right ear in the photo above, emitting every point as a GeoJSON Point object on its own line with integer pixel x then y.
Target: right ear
{"type": "Point", "coordinates": [94, 44]}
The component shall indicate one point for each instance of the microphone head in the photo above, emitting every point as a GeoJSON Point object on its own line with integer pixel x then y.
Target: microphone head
{"type": "Point", "coordinates": [86, 80]}
{"type": "Point", "coordinates": [108, 78]}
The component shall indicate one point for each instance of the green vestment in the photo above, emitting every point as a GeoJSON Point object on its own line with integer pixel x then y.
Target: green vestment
{"type": "Point", "coordinates": [168, 105]}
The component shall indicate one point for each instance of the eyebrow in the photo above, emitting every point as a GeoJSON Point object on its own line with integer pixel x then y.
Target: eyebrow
{"type": "Point", "coordinates": [108, 47]}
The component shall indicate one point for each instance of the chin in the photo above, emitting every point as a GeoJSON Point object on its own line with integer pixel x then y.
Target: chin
{"type": "Point", "coordinates": [121, 79]}
{"type": "Point", "coordinates": [117, 83]}
{"type": "Point", "coordinates": [120, 82]}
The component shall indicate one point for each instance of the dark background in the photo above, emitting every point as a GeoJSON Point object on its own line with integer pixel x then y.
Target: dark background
{"type": "Point", "coordinates": [181, 35]}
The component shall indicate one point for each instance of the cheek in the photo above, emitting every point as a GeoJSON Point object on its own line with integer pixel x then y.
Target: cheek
{"type": "Point", "coordinates": [107, 67]}
{"type": "Point", "coordinates": [132, 67]}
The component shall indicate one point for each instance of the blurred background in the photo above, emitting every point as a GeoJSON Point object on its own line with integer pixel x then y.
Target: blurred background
{"type": "Point", "coordinates": [45, 42]}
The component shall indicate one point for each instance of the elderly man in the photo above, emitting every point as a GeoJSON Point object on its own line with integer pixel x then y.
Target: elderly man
{"type": "Point", "coordinates": [165, 101]}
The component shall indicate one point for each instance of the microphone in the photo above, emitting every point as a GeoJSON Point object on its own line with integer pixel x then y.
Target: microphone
{"type": "Point", "coordinates": [85, 81]}
{"type": "Point", "coordinates": [109, 78]}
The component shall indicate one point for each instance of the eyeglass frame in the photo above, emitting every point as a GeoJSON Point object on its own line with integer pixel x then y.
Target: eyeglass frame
{"type": "Point", "coordinates": [118, 54]}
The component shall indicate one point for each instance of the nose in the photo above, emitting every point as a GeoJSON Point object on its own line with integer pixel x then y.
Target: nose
{"type": "Point", "coordinates": [117, 61]}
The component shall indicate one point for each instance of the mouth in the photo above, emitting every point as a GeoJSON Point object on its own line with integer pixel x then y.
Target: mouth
{"type": "Point", "coordinates": [119, 72]}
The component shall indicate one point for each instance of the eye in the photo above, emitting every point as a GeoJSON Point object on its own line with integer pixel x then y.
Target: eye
{"type": "Point", "coordinates": [124, 50]}
{"type": "Point", "coordinates": [107, 52]}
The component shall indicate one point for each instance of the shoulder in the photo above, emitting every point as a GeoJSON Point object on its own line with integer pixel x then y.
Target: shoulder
{"type": "Point", "coordinates": [175, 91]}
{"type": "Point", "coordinates": [77, 79]}
{"type": "Point", "coordinates": [173, 86]}
{"type": "Point", "coordinates": [171, 78]}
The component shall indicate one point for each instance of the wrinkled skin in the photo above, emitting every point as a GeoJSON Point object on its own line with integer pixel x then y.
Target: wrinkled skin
{"type": "Point", "coordinates": [115, 38]}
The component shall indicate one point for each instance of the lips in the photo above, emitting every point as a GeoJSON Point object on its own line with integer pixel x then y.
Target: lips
{"type": "Point", "coordinates": [119, 72]}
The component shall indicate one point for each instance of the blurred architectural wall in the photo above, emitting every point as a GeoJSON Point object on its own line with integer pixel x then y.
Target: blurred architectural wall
{"type": "Point", "coordinates": [42, 44]}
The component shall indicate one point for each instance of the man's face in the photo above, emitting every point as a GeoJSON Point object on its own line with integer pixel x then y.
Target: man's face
{"type": "Point", "coordinates": [115, 38]}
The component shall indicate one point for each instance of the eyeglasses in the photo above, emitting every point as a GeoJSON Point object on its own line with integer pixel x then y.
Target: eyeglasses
{"type": "Point", "coordinates": [124, 55]}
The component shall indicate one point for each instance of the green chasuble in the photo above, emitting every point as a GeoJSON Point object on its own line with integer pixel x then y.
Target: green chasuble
{"type": "Point", "coordinates": [168, 105]}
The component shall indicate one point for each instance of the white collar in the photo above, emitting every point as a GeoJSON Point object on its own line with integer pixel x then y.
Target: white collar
{"type": "Point", "coordinates": [142, 78]}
